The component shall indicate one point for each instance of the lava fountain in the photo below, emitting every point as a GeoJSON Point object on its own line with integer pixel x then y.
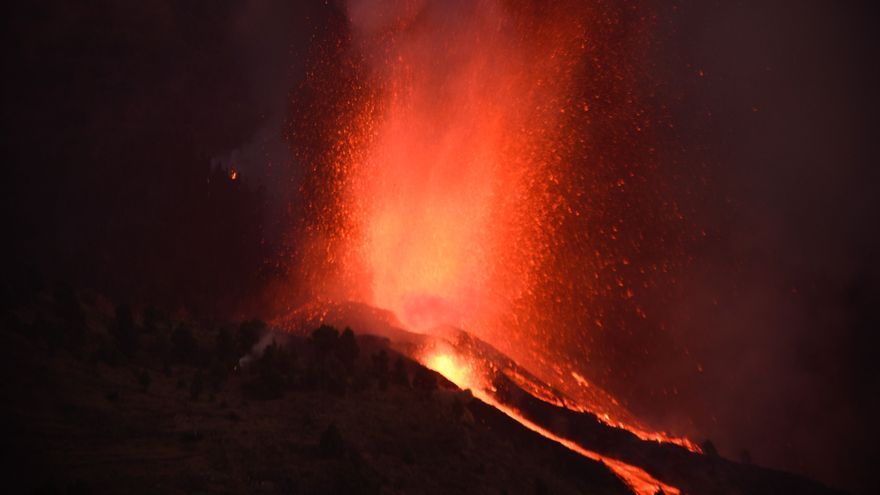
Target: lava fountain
{"type": "Point", "coordinates": [443, 209]}
{"type": "Point", "coordinates": [450, 179]}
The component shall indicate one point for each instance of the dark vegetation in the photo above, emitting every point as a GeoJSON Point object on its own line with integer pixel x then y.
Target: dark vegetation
{"type": "Point", "coordinates": [126, 399]}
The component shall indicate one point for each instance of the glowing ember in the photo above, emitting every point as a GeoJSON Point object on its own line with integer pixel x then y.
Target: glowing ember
{"type": "Point", "coordinates": [458, 184]}
{"type": "Point", "coordinates": [441, 205]}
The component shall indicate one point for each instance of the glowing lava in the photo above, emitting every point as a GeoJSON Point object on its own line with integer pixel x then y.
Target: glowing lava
{"type": "Point", "coordinates": [451, 218]}
{"type": "Point", "coordinates": [450, 367]}
{"type": "Point", "coordinates": [453, 180]}
{"type": "Point", "coordinates": [440, 206]}
{"type": "Point", "coordinates": [459, 372]}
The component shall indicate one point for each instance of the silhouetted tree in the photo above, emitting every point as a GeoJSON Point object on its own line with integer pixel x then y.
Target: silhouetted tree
{"type": "Point", "coordinates": [324, 339]}
{"type": "Point", "coordinates": [347, 348]}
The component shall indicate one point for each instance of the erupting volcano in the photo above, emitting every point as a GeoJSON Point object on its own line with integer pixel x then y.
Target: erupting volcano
{"type": "Point", "coordinates": [612, 247]}
{"type": "Point", "coordinates": [475, 153]}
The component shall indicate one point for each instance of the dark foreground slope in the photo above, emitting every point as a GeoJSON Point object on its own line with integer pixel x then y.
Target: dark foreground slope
{"type": "Point", "coordinates": [518, 389]}
{"type": "Point", "coordinates": [102, 399]}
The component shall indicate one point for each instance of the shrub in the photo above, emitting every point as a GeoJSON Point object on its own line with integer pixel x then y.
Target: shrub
{"type": "Point", "coordinates": [325, 339]}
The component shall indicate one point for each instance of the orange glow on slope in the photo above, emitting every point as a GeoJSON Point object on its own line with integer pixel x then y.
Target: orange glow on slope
{"type": "Point", "coordinates": [638, 479]}
{"type": "Point", "coordinates": [461, 185]}
{"type": "Point", "coordinates": [450, 367]}
{"type": "Point", "coordinates": [585, 397]}
{"type": "Point", "coordinates": [459, 372]}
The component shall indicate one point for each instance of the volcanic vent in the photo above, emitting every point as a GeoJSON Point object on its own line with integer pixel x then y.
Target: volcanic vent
{"type": "Point", "coordinates": [486, 172]}
{"type": "Point", "coordinates": [457, 177]}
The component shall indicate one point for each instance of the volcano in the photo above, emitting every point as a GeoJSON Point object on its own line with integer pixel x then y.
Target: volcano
{"type": "Point", "coordinates": [440, 246]}
{"type": "Point", "coordinates": [290, 408]}
{"type": "Point", "coordinates": [647, 462]}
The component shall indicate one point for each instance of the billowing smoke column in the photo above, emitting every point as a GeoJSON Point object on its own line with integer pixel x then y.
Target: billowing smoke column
{"type": "Point", "coordinates": [488, 165]}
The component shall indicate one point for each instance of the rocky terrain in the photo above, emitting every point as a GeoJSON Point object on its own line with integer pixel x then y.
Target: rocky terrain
{"type": "Point", "coordinates": [105, 398]}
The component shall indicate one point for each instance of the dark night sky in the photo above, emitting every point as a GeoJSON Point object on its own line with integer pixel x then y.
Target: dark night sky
{"type": "Point", "coordinates": [114, 113]}
{"type": "Point", "coordinates": [781, 304]}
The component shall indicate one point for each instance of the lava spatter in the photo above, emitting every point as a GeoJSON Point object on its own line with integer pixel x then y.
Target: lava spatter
{"type": "Point", "coordinates": [474, 164]}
